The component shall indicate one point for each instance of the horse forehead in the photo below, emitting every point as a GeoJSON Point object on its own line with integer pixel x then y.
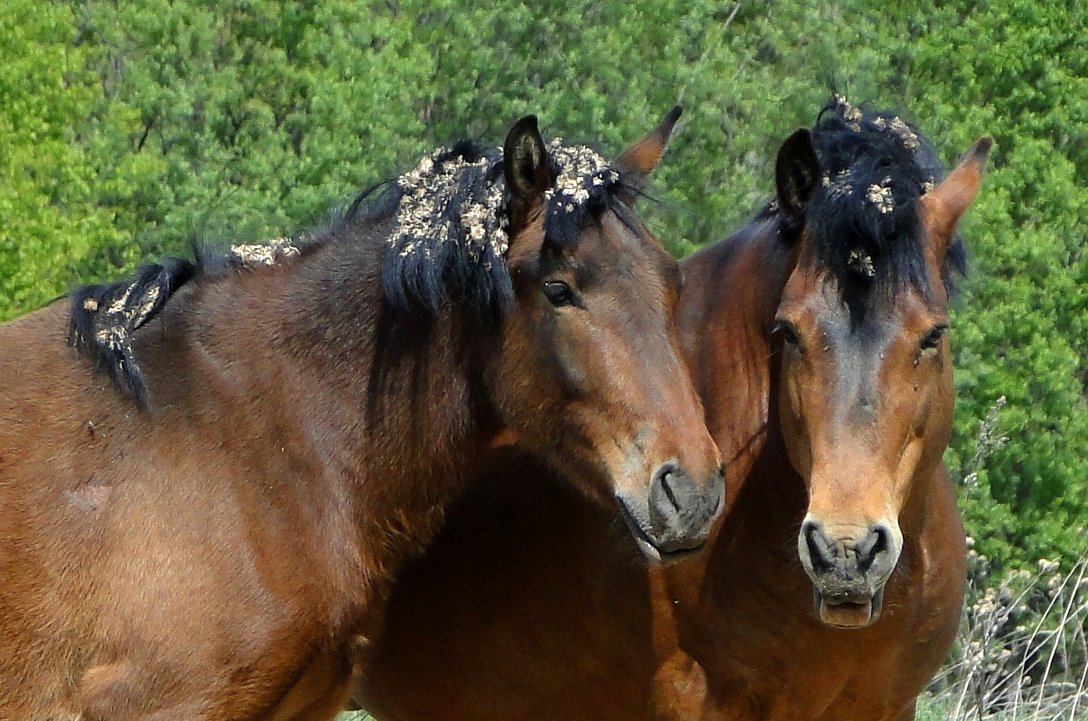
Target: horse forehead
{"type": "Point", "coordinates": [852, 347]}
{"type": "Point", "coordinates": [864, 345]}
{"type": "Point", "coordinates": [860, 354]}
{"type": "Point", "coordinates": [616, 234]}
{"type": "Point", "coordinates": [860, 364]}
{"type": "Point", "coordinates": [624, 249]}
{"type": "Point", "coordinates": [832, 301]}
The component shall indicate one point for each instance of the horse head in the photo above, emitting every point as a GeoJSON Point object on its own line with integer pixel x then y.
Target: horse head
{"type": "Point", "coordinates": [596, 295]}
{"type": "Point", "coordinates": [866, 393]}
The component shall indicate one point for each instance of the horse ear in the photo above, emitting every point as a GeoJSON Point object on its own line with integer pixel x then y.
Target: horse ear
{"type": "Point", "coordinates": [943, 206]}
{"type": "Point", "coordinates": [639, 160]}
{"type": "Point", "coordinates": [796, 173]}
{"type": "Point", "coordinates": [527, 171]}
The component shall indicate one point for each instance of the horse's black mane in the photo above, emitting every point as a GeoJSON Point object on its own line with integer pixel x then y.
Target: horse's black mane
{"type": "Point", "coordinates": [863, 219]}
{"type": "Point", "coordinates": [444, 226]}
{"type": "Point", "coordinates": [104, 317]}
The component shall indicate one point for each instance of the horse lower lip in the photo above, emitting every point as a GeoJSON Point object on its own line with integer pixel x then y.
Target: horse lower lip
{"type": "Point", "coordinates": [854, 610]}
{"type": "Point", "coordinates": [670, 557]}
{"type": "Point", "coordinates": [652, 550]}
{"type": "Point", "coordinates": [848, 614]}
{"type": "Point", "coordinates": [634, 527]}
{"type": "Point", "coordinates": [658, 557]}
{"type": "Point", "coordinates": [662, 556]}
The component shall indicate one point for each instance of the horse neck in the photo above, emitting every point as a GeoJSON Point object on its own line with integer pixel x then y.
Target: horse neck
{"type": "Point", "coordinates": [382, 408]}
{"type": "Point", "coordinates": [731, 293]}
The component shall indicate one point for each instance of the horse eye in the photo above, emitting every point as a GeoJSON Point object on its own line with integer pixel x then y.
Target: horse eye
{"type": "Point", "coordinates": [559, 293]}
{"type": "Point", "coordinates": [788, 332]}
{"type": "Point", "coordinates": [933, 337]}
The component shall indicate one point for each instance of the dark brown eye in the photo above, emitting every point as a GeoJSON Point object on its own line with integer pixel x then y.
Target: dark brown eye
{"type": "Point", "coordinates": [933, 337]}
{"type": "Point", "coordinates": [558, 293]}
{"type": "Point", "coordinates": [787, 332]}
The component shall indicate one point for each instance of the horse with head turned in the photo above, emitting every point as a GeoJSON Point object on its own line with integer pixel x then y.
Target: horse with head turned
{"type": "Point", "coordinates": [209, 531]}
{"type": "Point", "coordinates": [831, 590]}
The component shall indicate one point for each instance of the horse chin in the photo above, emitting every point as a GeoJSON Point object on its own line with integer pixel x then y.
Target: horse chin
{"type": "Point", "coordinates": [651, 554]}
{"type": "Point", "coordinates": [848, 612]}
{"type": "Point", "coordinates": [655, 556]}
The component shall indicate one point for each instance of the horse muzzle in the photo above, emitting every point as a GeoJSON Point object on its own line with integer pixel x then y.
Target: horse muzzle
{"type": "Point", "coordinates": [675, 519]}
{"type": "Point", "coordinates": [848, 570]}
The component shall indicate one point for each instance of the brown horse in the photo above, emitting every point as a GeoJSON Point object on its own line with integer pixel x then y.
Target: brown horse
{"type": "Point", "coordinates": [832, 588]}
{"type": "Point", "coordinates": [217, 548]}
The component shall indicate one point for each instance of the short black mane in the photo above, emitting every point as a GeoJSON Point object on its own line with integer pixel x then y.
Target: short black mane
{"type": "Point", "coordinates": [433, 261]}
{"type": "Point", "coordinates": [863, 219]}
{"type": "Point", "coordinates": [443, 226]}
{"type": "Point", "coordinates": [103, 319]}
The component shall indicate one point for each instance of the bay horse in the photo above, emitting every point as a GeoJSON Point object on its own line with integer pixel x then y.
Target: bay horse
{"type": "Point", "coordinates": [831, 589]}
{"type": "Point", "coordinates": [209, 529]}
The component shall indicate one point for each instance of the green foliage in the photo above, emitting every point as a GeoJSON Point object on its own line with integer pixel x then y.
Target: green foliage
{"type": "Point", "coordinates": [126, 129]}
{"type": "Point", "coordinates": [48, 196]}
{"type": "Point", "coordinates": [1022, 329]}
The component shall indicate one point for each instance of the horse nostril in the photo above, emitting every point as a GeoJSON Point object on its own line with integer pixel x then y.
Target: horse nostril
{"type": "Point", "coordinates": [719, 499]}
{"type": "Point", "coordinates": [819, 551]}
{"type": "Point", "coordinates": [662, 484]}
{"type": "Point", "coordinates": [874, 543]}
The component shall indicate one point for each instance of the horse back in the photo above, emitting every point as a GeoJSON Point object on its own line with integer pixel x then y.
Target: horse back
{"type": "Point", "coordinates": [133, 539]}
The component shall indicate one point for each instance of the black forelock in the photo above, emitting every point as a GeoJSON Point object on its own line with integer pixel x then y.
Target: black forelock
{"type": "Point", "coordinates": [563, 223]}
{"type": "Point", "coordinates": [862, 220]}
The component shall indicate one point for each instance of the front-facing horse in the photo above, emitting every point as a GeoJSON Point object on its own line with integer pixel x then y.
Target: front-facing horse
{"type": "Point", "coordinates": [831, 591]}
{"type": "Point", "coordinates": [209, 531]}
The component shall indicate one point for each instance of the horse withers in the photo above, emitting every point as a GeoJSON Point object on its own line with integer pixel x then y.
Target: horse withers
{"type": "Point", "coordinates": [832, 589]}
{"type": "Point", "coordinates": [209, 528]}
